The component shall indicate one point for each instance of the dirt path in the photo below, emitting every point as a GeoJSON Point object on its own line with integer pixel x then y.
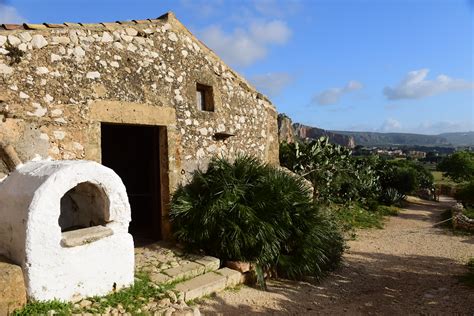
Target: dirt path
{"type": "Point", "coordinates": [407, 268]}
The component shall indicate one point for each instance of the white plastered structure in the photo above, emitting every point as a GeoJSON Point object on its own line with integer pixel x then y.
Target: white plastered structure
{"type": "Point", "coordinates": [32, 200]}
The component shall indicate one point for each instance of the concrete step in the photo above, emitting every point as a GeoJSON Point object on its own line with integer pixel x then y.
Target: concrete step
{"type": "Point", "coordinates": [208, 283]}
{"type": "Point", "coordinates": [197, 266]}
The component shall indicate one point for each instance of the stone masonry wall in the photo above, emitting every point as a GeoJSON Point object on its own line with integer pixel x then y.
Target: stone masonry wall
{"type": "Point", "coordinates": [51, 76]}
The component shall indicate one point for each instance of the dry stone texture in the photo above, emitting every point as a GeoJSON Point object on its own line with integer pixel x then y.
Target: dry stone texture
{"type": "Point", "coordinates": [12, 287]}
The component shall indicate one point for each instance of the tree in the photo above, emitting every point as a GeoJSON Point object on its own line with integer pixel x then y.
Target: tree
{"type": "Point", "coordinates": [459, 166]}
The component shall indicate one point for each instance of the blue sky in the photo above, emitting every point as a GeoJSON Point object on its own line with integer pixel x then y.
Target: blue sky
{"type": "Point", "coordinates": [391, 66]}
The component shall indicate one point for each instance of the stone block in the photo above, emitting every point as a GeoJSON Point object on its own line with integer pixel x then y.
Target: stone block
{"type": "Point", "coordinates": [84, 236]}
{"type": "Point", "coordinates": [12, 287]}
{"type": "Point", "coordinates": [210, 263]}
{"type": "Point", "coordinates": [240, 266]}
{"type": "Point", "coordinates": [233, 277]}
{"type": "Point", "coordinates": [202, 285]}
{"type": "Point", "coordinates": [185, 271]}
{"type": "Point", "coordinates": [159, 278]}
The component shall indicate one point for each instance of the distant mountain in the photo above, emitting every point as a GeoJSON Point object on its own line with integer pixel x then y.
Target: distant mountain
{"type": "Point", "coordinates": [289, 132]}
{"type": "Point", "coordinates": [459, 139]}
{"type": "Point", "coordinates": [406, 139]}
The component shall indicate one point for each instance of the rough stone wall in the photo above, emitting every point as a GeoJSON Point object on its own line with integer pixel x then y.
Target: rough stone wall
{"type": "Point", "coordinates": [47, 93]}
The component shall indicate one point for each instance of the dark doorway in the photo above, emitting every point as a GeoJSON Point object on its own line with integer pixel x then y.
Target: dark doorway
{"type": "Point", "coordinates": [133, 152]}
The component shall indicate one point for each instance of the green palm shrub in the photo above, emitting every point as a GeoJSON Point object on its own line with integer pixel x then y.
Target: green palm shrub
{"type": "Point", "coordinates": [248, 211]}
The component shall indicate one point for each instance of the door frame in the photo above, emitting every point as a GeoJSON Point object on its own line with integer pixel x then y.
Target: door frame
{"type": "Point", "coordinates": [117, 112]}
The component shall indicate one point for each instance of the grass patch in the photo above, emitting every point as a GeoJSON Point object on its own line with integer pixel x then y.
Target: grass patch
{"type": "Point", "coordinates": [469, 212]}
{"type": "Point", "coordinates": [468, 278]}
{"type": "Point", "coordinates": [131, 299]}
{"type": "Point", "coordinates": [42, 308]}
{"type": "Point", "coordinates": [355, 216]}
{"type": "Point", "coordinates": [439, 178]}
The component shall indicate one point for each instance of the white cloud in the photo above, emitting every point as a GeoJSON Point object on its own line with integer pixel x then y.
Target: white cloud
{"type": "Point", "coordinates": [242, 47]}
{"type": "Point", "coordinates": [9, 14]}
{"type": "Point", "coordinates": [390, 125]}
{"type": "Point", "coordinates": [444, 127]}
{"type": "Point", "coordinates": [333, 95]}
{"type": "Point", "coordinates": [415, 86]}
{"type": "Point", "coordinates": [272, 83]}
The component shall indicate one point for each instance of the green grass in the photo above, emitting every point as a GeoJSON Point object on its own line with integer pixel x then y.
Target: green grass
{"type": "Point", "coordinates": [42, 308]}
{"type": "Point", "coordinates": [468, 278]}
{"type": "Point", "coordinates": [469, 212]}
{"type": "Point", "coordinates": [440, 179]}
{"type": "Point", "coordinates": [355, 216]}
{"type": "Point", "coordinates": [131, 299]}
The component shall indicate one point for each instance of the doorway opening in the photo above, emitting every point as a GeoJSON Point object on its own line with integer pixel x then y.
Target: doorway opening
{"type": "Point", "coordinates": [137, 153]}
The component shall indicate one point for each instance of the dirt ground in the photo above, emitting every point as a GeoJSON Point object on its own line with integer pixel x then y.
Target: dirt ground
{"type": "Point", "coordinates": [408, 267]}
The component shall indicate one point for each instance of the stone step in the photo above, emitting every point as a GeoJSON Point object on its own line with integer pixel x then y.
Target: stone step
{"type": "Point", "coordinates": [208, 283]}
{"type": "Point", "coordinates": [198, 266]}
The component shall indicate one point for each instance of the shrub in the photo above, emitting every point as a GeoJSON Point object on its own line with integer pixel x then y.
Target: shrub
{"type": "Point", "coordinates": [249, 211]}
{"type": "Point", "coordinates": [459, 166]}
{"type": "Point", "coordinates": [465, 193]}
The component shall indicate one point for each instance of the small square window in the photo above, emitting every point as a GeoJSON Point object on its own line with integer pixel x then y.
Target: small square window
{"type": "Point", "coordinates": [204, 98]}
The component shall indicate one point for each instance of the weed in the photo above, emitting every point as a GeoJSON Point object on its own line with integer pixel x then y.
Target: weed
{"type": "Point", "coordinates": [14, 53]}
{"type": "Point", "coordinates": [130, 299]}
{"type": "Point", "coordinates": [42, 308]}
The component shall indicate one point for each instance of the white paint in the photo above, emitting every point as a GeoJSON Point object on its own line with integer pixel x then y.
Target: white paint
{"type": "Point", "coordinates": [30, 234]}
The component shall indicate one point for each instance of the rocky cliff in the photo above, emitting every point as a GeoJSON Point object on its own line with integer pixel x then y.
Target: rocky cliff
{"type": "Point", "coordinates": [289, 132]}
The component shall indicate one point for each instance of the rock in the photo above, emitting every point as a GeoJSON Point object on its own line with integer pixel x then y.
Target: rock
{"type": "Point", "coordinates": [240, 266]}
{"type": "Point", "coordinates": [23, 95]}
{"type": "Point", "coordinates": [42, 70]}
{"type": "Point", "coordinates": [79, 52]}
{"type": "Point", "coordinates": [107, 38]}
{"type": "Point", "coordinates": [23, 47]}
{"type": "Point", "coordinates": [184, 312]}
{"type": "Point", "coordinates": [131, 31]}
{"type": "Point", "coordinates": [3, 40]}
{"type": "Point", "coordinates": [55, 57]}
{"type": "Point", "coordinates": [5, 70]}
{"type": "Point", "coordinates": [93, 75]}
{"type": "Point", "coordinates": [169, 311]}
{"type": "Point", "coordinates": [12, 287]}
{"type": "Point", "coordinates": [85, 303]}
{"type": "Point", "coordinates": [13, 40]}
{"type": "Point", "coordinates": [38, 41]}
{"type": "Point", "coordinates": [196, 311]}
{"type": "Point", "coordinates": [25, 37]}
{"type": "Point", "coordinates": [61, 40]}
{"type": "Point", "coordinates": [164, 302]}
{"type": "Point", "coordinates": [172, 296]}
{"type": "Point", "coordinates": [172, 37]}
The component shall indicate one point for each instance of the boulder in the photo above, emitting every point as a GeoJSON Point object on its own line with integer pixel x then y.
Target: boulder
{"type": "Point", "coordinates": [12, 287]}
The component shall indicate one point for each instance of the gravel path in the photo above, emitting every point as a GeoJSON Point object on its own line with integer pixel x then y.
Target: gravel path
{"type": "Point", "coordinates": [407, 268]}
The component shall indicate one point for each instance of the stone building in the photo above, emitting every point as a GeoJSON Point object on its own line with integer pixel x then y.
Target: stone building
{"type": "Point", "coordinates": [143, 97]}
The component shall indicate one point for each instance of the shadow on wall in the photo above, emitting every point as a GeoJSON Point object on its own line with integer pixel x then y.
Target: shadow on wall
{"type": "Point", "coordinates": [368, 283]}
